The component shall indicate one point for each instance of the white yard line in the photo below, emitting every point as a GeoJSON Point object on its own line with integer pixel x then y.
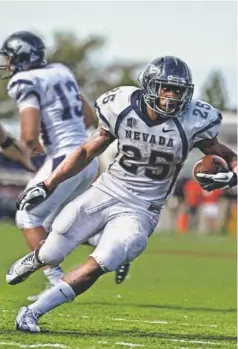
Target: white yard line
{"type": "Point", "coordinates": [161, 322]}
{"type": "Point", "coordinates": [43, 345]}
{"type": "Point", "coordinates": [131, 345]}
{"type": "Point", "coordinates": [193, 341]}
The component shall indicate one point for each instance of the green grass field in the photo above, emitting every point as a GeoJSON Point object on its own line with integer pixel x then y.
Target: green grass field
{"type": "Point", "coordinates": [181, 293]}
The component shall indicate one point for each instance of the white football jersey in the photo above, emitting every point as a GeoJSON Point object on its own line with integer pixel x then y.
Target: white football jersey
{"type": "Point", "coordinates": [54, 91]}
{"type": "Point", "coordinates": [150, 154]}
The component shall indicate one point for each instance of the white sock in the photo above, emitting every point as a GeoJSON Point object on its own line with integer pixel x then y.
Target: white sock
{"type": "Point", "coordinates": [53, 274]}
{"type": "Point", "coordinates": [55, 296]}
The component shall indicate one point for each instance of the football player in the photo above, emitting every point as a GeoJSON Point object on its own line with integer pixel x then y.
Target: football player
{"type": "Point", "coordinates": [50, 103]}
{"type": "Point", "coordinates": [156, 126]}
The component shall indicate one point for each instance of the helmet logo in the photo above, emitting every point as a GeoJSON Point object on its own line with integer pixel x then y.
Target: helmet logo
{"type": "Point", "coordinates": [19, 46]}
{"type": "Point", "coordinates": [152, 69]}
{"type": "Point", "coordinates": [177, 79]}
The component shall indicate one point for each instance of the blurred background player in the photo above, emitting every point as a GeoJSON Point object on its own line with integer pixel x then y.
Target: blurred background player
{"type": "Point", "coordinates": [51, 105]}
{"type": "Point", "coordinates": [201, 209]}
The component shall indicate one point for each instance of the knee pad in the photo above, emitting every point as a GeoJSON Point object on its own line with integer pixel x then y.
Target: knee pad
{"type": "Point", "coordinates": [52, 254]}
{"type": "Point", "coordinates": [112, 254]}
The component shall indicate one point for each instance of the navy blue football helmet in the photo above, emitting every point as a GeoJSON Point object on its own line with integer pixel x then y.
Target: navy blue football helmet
{"type": "Point", "coordinates": [172, 73]}
{"type": "Point", "coordinates": [21, 51]}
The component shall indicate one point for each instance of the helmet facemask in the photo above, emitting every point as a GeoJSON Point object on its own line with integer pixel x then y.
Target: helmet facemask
{"type": "Point", "coordinates": [167, 106]}
{"type": "Point", "coordinates": [6, 65]}
{"type": "Point", "coordinates": [167, 86]}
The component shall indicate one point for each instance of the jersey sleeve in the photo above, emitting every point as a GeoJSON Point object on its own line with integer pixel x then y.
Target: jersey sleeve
{"type": "Point", "coordinates": [111, 105]}
{"type": "Point", "coordinates": [24, 91]}
{"type": "Point", "coordinates": [206, 125]}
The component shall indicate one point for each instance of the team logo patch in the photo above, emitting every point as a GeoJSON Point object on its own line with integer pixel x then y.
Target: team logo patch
{"type": "Point", "coordinates": [131, 122]}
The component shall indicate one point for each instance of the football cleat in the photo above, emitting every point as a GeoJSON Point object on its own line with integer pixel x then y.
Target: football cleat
{"type": "Point", "coordinates": [26, 320]}
{"type": "Point", "coordinates": [121, 273]}
{"type": "Point", "coordinates": [22, 269]}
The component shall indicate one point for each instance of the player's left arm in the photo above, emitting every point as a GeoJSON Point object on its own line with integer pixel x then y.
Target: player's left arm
{"type": "Point", "coordinates": [30, 128]}
{"type": "Point", "coordinates": [26, 93]}
{"type": "Point", "coordinates": [72, 164]}
{"type": "Point", "coordinates": [225, 178]}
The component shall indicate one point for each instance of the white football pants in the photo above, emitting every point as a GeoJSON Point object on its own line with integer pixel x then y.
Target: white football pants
{"type": "Point", "coordinates": [125, 231]}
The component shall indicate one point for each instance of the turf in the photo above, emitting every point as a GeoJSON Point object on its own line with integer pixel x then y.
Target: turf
{"type": "Point", "coordinates": [181, 293]}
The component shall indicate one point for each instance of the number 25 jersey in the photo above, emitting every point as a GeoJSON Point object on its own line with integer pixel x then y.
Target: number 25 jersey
{"type": "Point", "coordinates": [150, 153]}
{"type": "Point", "coordinates": [54, 91]}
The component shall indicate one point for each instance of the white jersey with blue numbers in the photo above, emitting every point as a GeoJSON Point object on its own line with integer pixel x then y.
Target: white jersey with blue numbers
{"type": "Point", "coordinates": [150, 154]}
{"type": "Point", "coordinates": [59, 102]}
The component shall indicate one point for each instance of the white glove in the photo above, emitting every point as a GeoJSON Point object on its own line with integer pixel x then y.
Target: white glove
{"type": "Point", "coordinates": [219, 180]}
{"type": "Point", "coordinates": [32, 197]}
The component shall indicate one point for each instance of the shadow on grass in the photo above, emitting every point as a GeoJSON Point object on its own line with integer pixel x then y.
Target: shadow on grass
{"type": "Point", "coordinates": [140, 334]}
{"type": "Point", "coordinates": [160, 306]}
{"type": "Point", "coordinates": [136, 333]}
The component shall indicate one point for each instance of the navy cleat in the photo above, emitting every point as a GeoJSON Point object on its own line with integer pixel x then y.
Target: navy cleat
{"type": "Point", "coordinates": [121, 273]}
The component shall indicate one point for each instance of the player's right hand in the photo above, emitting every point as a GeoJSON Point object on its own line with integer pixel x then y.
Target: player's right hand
{"type": "Point", "coordinates": [32, 197]}
{"type": "Point", "coordinates": [220, 180]}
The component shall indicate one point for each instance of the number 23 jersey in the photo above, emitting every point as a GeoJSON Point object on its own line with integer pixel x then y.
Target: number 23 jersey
{"type": "Point", "coordinates": [150, 154]}
{"type": "Point", "coordinates": [54, 91]}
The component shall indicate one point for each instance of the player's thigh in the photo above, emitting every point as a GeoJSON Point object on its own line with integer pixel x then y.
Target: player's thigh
{"type": "Point", "coordinates": [77, 222]}
{"type": "Point", "coordinates": [123, 239]}
{"type": "Point", "coordinates": [89, 174]}
{"type": "Point", "coordinates": [51, 207]}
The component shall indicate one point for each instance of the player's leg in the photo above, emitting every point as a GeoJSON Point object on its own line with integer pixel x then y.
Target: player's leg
{"type": "Point", "coordinates": [122, 271]}
{"type": "Point", "coordinates": [35, 235]}
{"type": "Point", "coordinates": [33, 222]}
{"type": "Point", "coordinates": [77, 222]}
{"type": "Point", "coordinates": [116, 247]}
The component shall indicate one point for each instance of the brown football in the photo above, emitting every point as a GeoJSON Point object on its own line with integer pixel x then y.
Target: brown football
{"type": "Point", "coordinates": [209, 164]}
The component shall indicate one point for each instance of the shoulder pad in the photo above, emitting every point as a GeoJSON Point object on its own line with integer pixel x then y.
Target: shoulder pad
{"type": "Point", "coordinates": [21, 86]}
{"type": "Point", "coordinates": [205, 120]}
{"type": "Point", "coordinates": [112, 104]}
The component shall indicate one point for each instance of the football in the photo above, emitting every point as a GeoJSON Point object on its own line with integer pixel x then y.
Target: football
{"type": "Point", "coordinates": [211, 164]}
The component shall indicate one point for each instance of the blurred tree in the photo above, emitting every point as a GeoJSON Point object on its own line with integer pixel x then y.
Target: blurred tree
{"type": "Point", "coordinates": [84, 58]}
{"type": "Point", "coordinates": [3, 88]}
{"type": "Point", "coordinates": [214, 91]}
